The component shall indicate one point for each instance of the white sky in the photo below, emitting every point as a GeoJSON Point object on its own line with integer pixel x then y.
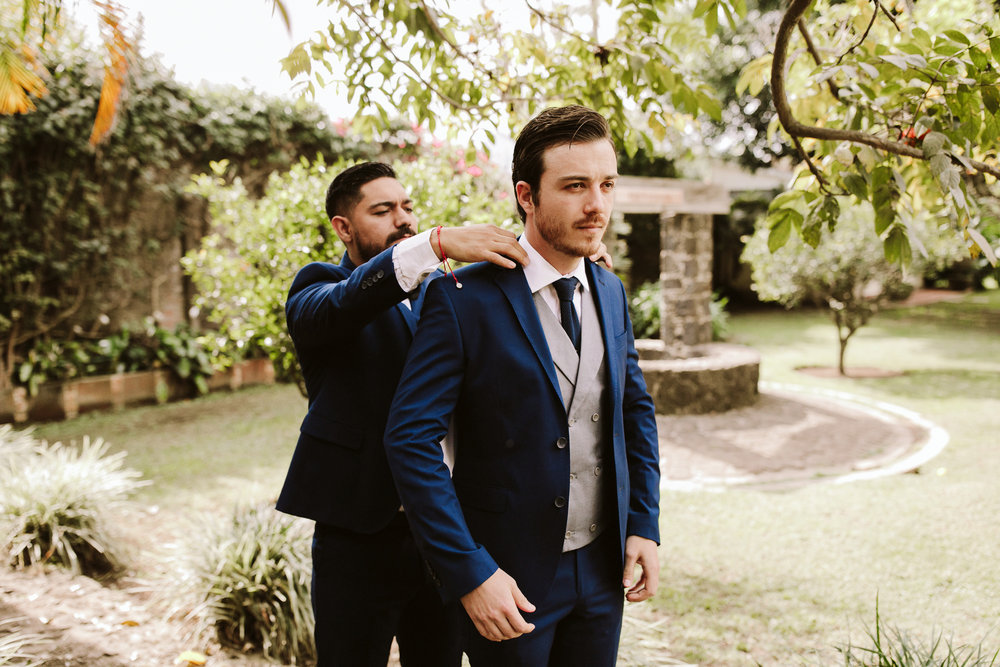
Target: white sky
{"type": "Point", "coordinates": [224, 41]}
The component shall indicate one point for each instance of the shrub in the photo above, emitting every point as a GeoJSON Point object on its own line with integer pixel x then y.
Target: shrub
{"type": "Point", "coordinates": [644, 309]}
{"type": "Point", "coordinates": [57, 502]}
{"type": "Point", "coordinates": [244, 267]}
{"type": "Point", "coordinates": [250, 577]}
{"type": "Point", "coordinates": [847, 270]}
{"type": "Point", "coordinates": [182, 351]}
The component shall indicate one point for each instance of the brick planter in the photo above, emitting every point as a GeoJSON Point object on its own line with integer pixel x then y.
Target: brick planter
{"type": "Point", "coordinates": [66, 400]}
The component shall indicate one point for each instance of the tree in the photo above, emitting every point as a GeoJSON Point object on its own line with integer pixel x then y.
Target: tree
{"type": "Point", "coordinates": [23, 72]}
{"type": "Point", "coordinates": [898, 105]}
{"type": "Point", "coordinates": [847, 271]}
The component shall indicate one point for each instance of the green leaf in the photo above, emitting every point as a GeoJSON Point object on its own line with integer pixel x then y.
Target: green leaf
{"type": "Point", "coordinates": [898, 61]}
{"type": "Point", "coordinates": [991, 99]}
{"type": "Point", "coordinates": [856, 185]}
{"type": "Point", "coordinates": [933, 143]}
{"type": "Point", "coordinates": [897, 246]}
{"type": "Point", "coordinates": [784, 199]}
{"type": "Point", "coordinates": [755, 75]}
{"type": "Point", "coordinates": [957, 36]}
{"type": "Point", "coordinates": [780, 231]}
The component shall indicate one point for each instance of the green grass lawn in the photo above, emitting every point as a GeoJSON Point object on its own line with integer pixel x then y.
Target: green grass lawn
{"type": "Point", "coordinates": [748, 577]}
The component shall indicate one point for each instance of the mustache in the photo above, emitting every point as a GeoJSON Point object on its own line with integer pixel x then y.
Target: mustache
{"type": "Point", "coordinates": [592, 220]}
{"type": "Point", "coordinates": [401, 233]}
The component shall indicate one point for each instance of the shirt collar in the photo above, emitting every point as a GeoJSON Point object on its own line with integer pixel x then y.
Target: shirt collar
{"type": "Point", "coordinates": [539, 273]}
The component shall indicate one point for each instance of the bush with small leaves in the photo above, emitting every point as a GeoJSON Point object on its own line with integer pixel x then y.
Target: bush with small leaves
{"type": "Point", "coordinates": [56, 502]}
{"type": "Point", "coordinates": [250, 578]}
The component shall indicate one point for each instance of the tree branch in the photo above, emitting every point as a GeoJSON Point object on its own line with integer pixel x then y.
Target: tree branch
{"type": "Point", "coordinates": [779, 67]}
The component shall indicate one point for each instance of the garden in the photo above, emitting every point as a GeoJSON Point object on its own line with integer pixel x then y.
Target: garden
{"type": "Point", "coordinates": [150, 229]}
{"type": "Point", "coordinates": [749, 577]}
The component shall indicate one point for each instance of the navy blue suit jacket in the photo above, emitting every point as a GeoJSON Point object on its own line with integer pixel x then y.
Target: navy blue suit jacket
{"type": "Point", "coordinates": [351, 335]}
{"type": "Point", "coordinates": [480, 355]}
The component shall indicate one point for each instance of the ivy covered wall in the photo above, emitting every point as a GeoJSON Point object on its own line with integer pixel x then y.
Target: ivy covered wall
{"type": "Point", "coordinates": [90, 238]}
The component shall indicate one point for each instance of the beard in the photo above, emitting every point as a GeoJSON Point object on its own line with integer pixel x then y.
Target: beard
{"type": "Point", "coordinates": [368, 248]}
{"type": "Point", "coordinates": [562, 238]}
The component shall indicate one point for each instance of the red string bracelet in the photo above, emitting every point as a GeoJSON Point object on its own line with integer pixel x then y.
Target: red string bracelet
{"type": "Point", "coordinates": [444, 259]}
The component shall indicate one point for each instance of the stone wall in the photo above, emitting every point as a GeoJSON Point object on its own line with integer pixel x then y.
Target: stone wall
{"type": "Point", "coordinates": [685, 280]}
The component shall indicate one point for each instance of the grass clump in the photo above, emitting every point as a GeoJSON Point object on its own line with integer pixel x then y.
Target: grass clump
{"type": "Point", "coordinates": [57, 501]}
{"type": "Point", "coordinates": [14, 645]}
{"type": "Point", "coordinates": [250, 576]}
{"type": "Point", "coordinates": [891, 647]}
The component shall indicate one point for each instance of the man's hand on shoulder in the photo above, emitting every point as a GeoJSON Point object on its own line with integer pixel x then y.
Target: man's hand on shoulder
{"type": "Point", "coordinates": [602, 255]}
{"type": "Point", "coordinates": [494, 608]}
{"type": "Point", "coordinates": [642, 552]}
{"type": "Point", "coordinates": [476, 243]}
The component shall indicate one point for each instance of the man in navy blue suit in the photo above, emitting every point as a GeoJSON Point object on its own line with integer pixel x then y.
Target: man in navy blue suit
{"type": "Point", "coordinates": [352, 324]}
{"type": "Point", "coordinates": [553, 497]}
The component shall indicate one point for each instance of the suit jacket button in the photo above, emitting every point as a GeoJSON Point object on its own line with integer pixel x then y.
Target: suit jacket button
{"type": "Point", "coordinates": [560, 502]}
{"type": "Point", "coordinates": [562, 442]}
{"type": "Point", "coordinates": [380, 273]}
{"type": "Point", "coordinates": [509, 443]}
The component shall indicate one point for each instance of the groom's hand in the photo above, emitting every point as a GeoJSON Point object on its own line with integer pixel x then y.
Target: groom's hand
{"type": "Point", "coordinates": [495, 608]}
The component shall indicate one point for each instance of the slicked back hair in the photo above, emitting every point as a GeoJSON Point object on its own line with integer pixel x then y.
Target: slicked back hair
{"type": "Point", "coordinates": [344, 192]}
{"type": "Point", "coordinates": [555, 126]}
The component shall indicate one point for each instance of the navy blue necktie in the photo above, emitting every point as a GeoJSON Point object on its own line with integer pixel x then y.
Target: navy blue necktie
{"type": "Point", "coordinates": [565, 288]}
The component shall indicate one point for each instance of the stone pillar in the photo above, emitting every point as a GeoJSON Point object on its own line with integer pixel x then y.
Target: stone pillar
{"type": "Point", "coordinates": [685, 281]}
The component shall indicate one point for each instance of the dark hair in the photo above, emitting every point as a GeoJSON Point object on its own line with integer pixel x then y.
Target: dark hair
{"type": "Point", "coordinates": [344, 192]}
{"type": "Point", "coordinates": [555, 126]}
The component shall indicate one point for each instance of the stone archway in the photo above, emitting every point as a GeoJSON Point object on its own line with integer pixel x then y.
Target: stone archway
{"type": "Point", "coordinates": [685, 371]}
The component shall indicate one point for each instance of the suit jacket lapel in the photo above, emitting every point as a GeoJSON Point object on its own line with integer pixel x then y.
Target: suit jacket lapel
{"type": "Point", "coordinates": [512, 283]}
{"type": "Point", "coordinates": [604, 297]}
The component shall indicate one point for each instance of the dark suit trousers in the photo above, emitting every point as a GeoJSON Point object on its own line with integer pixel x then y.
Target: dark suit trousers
{"type": "Point", "coordinates": [578, 623]}
{"type": "Point", "coordinates": [366, 589]}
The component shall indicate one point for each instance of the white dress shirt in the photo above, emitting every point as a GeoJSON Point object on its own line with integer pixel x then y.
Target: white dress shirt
{"type": "Point", "coordinates": [540, 276]}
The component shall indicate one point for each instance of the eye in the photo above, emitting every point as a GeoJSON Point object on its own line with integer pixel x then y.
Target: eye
{"type": "Point", "coordinates": [609, 185]}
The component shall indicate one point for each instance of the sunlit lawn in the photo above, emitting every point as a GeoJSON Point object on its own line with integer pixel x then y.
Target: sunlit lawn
{"type": "Point", "coordinates": [748, 577]}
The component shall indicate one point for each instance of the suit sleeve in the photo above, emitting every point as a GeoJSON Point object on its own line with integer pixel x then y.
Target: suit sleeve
{"type": "Point", "coordinates": [642, 446]}
{"type": "Point", "coordinates": [418, 420]}
{"type": "Point", "coordinates": [327, 302]}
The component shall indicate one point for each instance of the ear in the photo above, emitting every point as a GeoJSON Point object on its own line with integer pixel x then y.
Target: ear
{"type": "Point", "coordinates": [342, 226]}
{"type": "Point", "coordinates": [523, 193]}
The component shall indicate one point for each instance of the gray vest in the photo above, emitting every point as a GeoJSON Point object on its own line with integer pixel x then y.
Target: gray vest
{"type": "Point", "coordinates": [582, 385]}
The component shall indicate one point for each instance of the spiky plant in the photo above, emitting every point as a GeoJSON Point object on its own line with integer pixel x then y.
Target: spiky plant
{"type": "Point", "coordinates": [56, 503]}
{"type": "Point", "coordinates": [251, 577]}
{"type": "Point", "coordinates": [14, 645]}
{"type": "Point", "coordinates": [891, 647]}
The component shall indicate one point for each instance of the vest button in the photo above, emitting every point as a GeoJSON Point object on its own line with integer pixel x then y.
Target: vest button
{"type": "Point", "coordinates": [569, 534]}
{"type": "Point", "coordinates": [597, 471]}
{"type": "Point", "coordinates": [593, 527]}
{"type": "Point", "coordinates": [594, 417]}
{"type": "Point", "coordinates": [562, 442]}
{"type": "Point", "coordinates": [560, 502]}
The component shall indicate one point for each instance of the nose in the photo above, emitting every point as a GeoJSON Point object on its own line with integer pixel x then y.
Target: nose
{"type": "Point", "coordinates": [597, 201]}
{"type": "Point", "coordinates": [404, 218]}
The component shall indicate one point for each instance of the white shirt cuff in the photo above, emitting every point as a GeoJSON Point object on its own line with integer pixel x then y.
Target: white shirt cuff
{"type": "Point", "coordinates": [413, 259]}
